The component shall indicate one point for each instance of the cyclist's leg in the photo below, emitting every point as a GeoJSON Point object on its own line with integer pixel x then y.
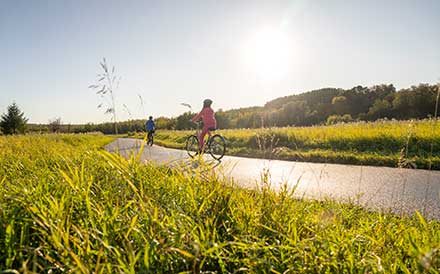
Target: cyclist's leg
{"type": "Point", "coordinates": [209, 135]}
{"type": "Point", "coordinates": [202, 138]}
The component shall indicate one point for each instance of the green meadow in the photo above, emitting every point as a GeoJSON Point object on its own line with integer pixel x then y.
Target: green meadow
{"type": "Point", "coordinates": [68, 206]}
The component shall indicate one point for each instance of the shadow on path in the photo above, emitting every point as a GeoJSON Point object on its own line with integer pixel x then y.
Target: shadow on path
{"type": "Point", "coordinates": [401, 191]}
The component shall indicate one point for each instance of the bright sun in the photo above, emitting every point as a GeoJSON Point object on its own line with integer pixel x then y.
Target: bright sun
{"type": "Point", "coordinates": [269, 54]}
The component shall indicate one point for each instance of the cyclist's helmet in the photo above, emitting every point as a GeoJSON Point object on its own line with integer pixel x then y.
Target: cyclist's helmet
{"type": "Point", "coordinates": [207, 103]}
{"type": "Point", "coordinates": [151, 117]}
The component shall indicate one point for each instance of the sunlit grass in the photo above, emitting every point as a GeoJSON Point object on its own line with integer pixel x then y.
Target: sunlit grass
{"type": "Point", "coordinates": [68, 206]}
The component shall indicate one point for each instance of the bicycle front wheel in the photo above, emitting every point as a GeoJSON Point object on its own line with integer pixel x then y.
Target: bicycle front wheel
{"type": "Point", "coordinates": [192, 146]}
{"type": "Point", "coordinates": [217, 146]}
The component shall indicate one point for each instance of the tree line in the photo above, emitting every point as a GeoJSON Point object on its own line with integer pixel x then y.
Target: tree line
{"type": "Point", "coordinates": [331, 105]}
{"type": "Point", "coordinates": [326, 106]}
{"type": "Point", "coordinates": [317, 107]}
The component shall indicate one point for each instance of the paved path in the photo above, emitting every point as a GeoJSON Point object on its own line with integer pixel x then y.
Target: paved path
{"type": "Point", "coordinates": [398, 190]}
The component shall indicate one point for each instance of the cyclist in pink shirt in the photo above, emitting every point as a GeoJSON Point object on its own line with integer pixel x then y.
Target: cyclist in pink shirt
{"type": "Point", "coordinates": [209, 122]}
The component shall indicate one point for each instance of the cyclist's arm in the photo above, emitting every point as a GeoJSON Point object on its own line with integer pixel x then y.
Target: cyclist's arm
{"type": "Point", "coordinates": [197, 117]}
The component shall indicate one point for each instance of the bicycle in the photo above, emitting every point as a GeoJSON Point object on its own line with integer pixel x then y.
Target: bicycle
{"type": "Point", "coordinates": [214, 144]}
{"type": "Point", "coordinates": [150, 137]}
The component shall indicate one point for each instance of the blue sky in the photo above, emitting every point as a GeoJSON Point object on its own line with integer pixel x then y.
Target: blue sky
{"type": "Point", "coordinates": [239, 53]}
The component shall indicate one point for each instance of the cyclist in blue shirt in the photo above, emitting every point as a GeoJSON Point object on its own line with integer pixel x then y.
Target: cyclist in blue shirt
{"type": "Point", "coordinates": [150, 126]}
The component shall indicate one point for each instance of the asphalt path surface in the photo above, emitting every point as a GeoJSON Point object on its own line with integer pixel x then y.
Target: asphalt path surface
{"type": "Point", "coordinates": [397, 190]}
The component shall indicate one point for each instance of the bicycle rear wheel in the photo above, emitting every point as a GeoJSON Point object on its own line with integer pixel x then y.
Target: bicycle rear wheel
{"type": "Point", "coordinates": [192, 145]}
{"type": "Point", "coordinates": [150, 138]}
{"type": "Point", "coordinates": [217, 146]}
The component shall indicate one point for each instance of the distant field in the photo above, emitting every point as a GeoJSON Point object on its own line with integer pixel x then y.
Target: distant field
{"type": "Point", "coordinates": [67, 206]}
{"type": "Point", "coordinates": [388, 143]}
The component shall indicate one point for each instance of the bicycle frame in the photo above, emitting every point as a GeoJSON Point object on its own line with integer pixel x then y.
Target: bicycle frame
{"type": "Point", "coordinates": [207, 144]}
{"type": "Point", "coordinates": [198, 131]}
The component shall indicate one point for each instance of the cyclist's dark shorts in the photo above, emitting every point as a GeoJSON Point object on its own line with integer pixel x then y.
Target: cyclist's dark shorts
{"type": "Point", "coordinates": [151, 131]}
{"type": "Point", "coordinates": [212, 129]}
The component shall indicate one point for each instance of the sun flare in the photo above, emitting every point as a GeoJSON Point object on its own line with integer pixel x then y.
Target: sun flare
{"type": "Point", "coordinates": [269, 54]}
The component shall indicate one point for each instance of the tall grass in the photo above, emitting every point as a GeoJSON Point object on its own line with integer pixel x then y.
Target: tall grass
{"type": "Point", "coordinates": [378, 143]}
{"type": "Point", "coordinates": [106, 85]}
{"type": "Point", "coordinates": [68, 206]}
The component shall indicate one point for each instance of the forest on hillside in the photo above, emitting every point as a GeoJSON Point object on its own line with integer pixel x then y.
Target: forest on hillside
{"type": "Point", "coordinates": [317, 107]}
{"type": "Point", "coordinates": [330, 105]}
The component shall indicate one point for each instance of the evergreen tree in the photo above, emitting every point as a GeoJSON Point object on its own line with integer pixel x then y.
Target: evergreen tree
{"type": "Point", "coordinates": [13, 121]}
